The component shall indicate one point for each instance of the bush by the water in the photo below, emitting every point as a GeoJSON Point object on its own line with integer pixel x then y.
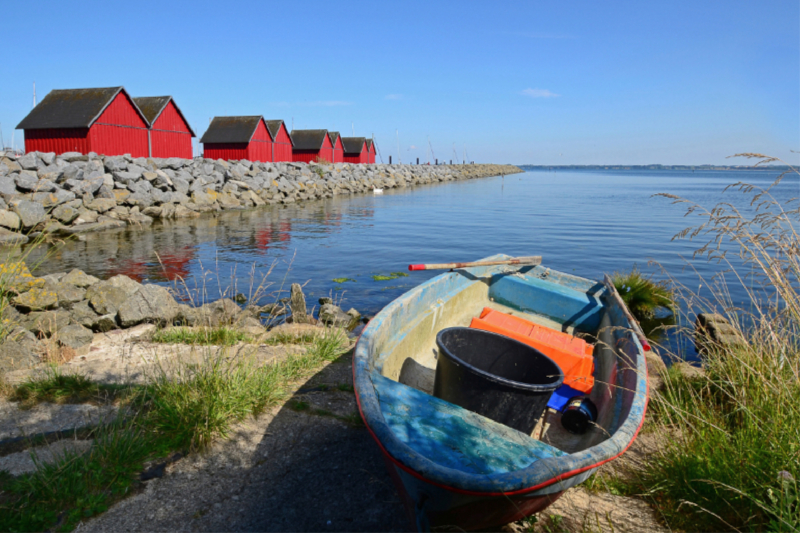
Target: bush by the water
{"type": "Point", "coordinates": [641, 294]}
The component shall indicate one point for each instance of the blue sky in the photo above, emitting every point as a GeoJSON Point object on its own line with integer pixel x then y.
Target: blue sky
{"type": "Point", "coordinates": [521, 82]}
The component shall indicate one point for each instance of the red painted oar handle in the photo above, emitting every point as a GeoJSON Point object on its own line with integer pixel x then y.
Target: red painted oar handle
{"type": "Point", "coordinates": [416, 267]}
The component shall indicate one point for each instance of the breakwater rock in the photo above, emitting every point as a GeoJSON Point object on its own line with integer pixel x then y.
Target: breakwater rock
{"type": "Point", "coordinates": [76, 193]}
{"type": "Point", "coordinates": [53, 318]}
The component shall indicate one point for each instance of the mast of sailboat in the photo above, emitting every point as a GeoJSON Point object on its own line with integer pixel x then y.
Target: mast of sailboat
{"type": "Point", "coordinates": [34, 94]}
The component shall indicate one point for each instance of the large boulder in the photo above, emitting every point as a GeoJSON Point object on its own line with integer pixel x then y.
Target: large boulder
{"type": "Point", "coordinates": [47, 322]}
{"type": "Point", "coordinates": [101, 205]}
{"type": "Point", "coordinates": [15, 356]}
{"type": "Point", "coordinates": [68, 294]}
{"type": "Point", "coordinates": [9, 219]}
{"type": "Point", "coordinates": [65, 214]}
{"type": "Point", "coordinates": [79, 278]}
{"type": "Point", "coordinates": [30, 213]}
{"type": "Point", "coordinates": [76, 337]}
{"type": "Point", "coordinates": [7, 185]}
{"type": "Point", "coordinates": [219, 313]}
{"type": "Point", "coordinates": [332, 315]}
{"type": "Point", "coordinates": [106, 297]}
{"type": "Point", "coordinates": [36, 300]}
{"type": "Point", "coordinates": [152, 304]}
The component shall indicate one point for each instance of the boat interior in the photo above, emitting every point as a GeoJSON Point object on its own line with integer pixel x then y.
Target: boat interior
{"type": "Point", "coordinates": [405, 358]}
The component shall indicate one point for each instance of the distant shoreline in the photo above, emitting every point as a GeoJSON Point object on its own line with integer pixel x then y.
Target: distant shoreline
{"type": "Point", "coordinates": [773, 168]}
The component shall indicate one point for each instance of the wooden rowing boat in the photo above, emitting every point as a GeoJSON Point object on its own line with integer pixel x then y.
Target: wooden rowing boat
{"type": "Point", "coordinates": [456, 469]}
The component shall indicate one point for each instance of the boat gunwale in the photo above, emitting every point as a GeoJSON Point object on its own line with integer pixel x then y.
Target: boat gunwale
{"type": "Point", "coordinates": [539, 474]}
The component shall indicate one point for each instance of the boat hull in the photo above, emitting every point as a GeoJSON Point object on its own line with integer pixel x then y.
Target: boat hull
{"type": "Point", "coordinates": [455, 469]}
{"type": "Point", "coordinates": [430, 507]}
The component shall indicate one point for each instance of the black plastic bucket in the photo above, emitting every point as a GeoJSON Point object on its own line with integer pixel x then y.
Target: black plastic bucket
{"type": "Point", "coordinates": [495, 376]}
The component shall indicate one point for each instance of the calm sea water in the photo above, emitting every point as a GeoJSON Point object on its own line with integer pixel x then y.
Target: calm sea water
{"type": "Point", "coordinates": [582, 222]}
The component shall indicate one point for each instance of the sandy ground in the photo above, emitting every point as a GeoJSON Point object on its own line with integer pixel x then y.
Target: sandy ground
{"type": "Point", "coordinates": [288, 471]}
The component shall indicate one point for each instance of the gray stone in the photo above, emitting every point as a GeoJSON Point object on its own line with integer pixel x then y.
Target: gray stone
{"type": "Point", "coordinates": [106, 299]}
{"type": "Point", "coordinates": [68, 294]}
{"type": "Point", "coordinates": [36, 300]}
{"type": "Point", "coordinates": [91, 186]}
{"type": "Point", "coordinates": [30, 213]}
{"type": "Point", "coordinates": [11, 238]}
{"type": "Point", "coordinates": [142, 199]}
{"type": "Point", "coordinates": [92, 227]}
{"type": "Point", "coordinates": [48, 158]}
{"type": "Point", "coordinates": [150, 304]}
{"type": "Point", "coordinates": [142, 186]}
{"type": "Point", "coordinates": [26, 182]}
{"type": "Point", "coordinates": [115, 163]}
{"type": "Point", "coordinates": [79, 278]}
{"type": "Point", "coordinates": [71, 157]}
{"type": "Point", "coordinates": [332, 315]}
{"type": "Point", "coordinates": [126, 176]}
{"type": "Point", "coordinates": [85, 216]}
{"type": "Point", "coordinates": [297, 303]}
{"type": "Point", "coordinates": [28, 161]}
{"type": "Point", "coordinates": [101, 205]}
{"type": "Point", "coordinates": [9, 220]}
{"type": "Point", "coordinates": [7, 185]}
{"type": "Point", "coordinates": [83, 314]}
{"type": "Point", "coordinates": [47, 322]}
{"type": "Point", "coordinates": [219, 313]}
{"type": "Point", "coordinates": [325, 300]}
{"type": "Point", "coordinates": [65, 214]}
{"type": "Point", "coordinates": [14, 356]}
{"type": "Point", "coordinates": [181, 185]}
{"type": "Point", "coordinates": [52, 199]}
{"type": "Point", "coordinates": [76, 337]}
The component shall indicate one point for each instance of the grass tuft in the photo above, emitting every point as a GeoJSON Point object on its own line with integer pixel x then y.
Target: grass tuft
{"type": "Point", "coordinates": [55, 387]}
{"type": "Point", "coordinates": [218, 336]}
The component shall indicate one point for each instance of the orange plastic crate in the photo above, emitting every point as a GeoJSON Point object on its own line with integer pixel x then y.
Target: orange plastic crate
{"type": "Point", "coordinates": [572, 354]}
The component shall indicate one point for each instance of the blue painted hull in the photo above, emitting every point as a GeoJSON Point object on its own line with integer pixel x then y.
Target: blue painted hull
{"type": "Point", "coordinates": [454, 468]}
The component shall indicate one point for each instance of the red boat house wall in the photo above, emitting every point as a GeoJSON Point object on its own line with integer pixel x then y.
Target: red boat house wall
{"type": "Point", "coordinates": [170, 133]}
{"type": "Point", "coordinates": [371, 151]}
{"type": "Point", "coordinates": [281, 141]}
{"type": "Point", "coordinates": [338, 149]}
{"type": "Point", "coordinates": [238, 138]}
{"type": "Point", "coordinates": [311, 145]}
{"type": "Point", "coordinates": [355, 150]}
{"type": "Point", "coordinates": [101, 120]}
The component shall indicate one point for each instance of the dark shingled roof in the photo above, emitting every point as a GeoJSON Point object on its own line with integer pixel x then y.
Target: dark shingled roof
{"type": "Point", "coordinates": [71, 108]}
{"type": "Point", "coordinates": [274, 126]}
{"type": "Point", "coordinates": [333, 135]}
{"type": "Point", "coordinates": [353, 145]}
{"type": "Point", "coordinates": [370, 142]}
{"type": "Point", "coordinates": [308, 139]}
{"type": "Point", "coordinates": [152, 106]}
{"type": "Point", "coordinates": [231, 129]}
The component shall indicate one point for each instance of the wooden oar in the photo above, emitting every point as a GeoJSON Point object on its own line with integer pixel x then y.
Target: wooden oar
{"type": "Point", "coordinates": [637, 329]}
{"type": "Point", "coordinates": [531, 260]}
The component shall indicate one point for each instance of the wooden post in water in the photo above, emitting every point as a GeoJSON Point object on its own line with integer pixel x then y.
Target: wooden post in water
{"type": "Point", "coordinates": [390, 160]}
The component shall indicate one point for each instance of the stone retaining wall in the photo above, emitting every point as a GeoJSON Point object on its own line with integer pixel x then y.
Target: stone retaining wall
{"type": "Point", "coordinates": [75, 193]}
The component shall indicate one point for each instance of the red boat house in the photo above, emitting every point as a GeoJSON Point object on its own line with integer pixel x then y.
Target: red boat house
{"type": "Point", "coordinates": [281, 141]}
{"type": "Point", "coordinates": [355, 150]}
{"type": "Point", "coordinates": [170, 134]}
{"type": "Point", "coordinates": [311, 145]}
{"type": "Point", "coordinates": [371, 151]}
{"type": "Point", "coordinates": [243, 137]}
{"type": "Point", "coordinates": [338, 149]}
{"type": "Point", "coordinates": [102, 120]}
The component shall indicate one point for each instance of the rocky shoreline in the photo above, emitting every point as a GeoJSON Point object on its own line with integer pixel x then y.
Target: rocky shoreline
{"type": "Point", "coordinates": [72, 193]}
{"type": "Point", "coordinates": [53, 318]}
